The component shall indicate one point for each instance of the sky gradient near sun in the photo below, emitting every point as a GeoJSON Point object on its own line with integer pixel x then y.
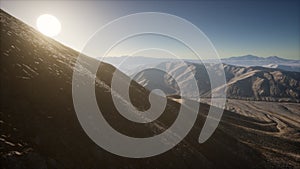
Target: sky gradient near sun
{"type": "Point", "coordinates": [235, 27]}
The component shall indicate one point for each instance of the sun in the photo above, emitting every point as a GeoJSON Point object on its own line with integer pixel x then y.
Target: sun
{"type": "Point", "coordinates": [49, 25]}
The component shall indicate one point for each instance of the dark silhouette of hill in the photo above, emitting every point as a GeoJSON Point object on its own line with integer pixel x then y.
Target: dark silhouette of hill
{"type": "Point", "coordinates": [39, 128]}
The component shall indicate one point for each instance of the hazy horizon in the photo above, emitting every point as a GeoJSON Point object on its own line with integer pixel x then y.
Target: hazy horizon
{"type": "Point", "coordinates": [236, 29]}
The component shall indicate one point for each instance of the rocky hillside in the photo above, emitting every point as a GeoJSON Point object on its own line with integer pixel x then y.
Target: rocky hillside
{"type": "Point", "coordinates": [257, 83]}
{"type": "Point", "coordinates": [249, 83]}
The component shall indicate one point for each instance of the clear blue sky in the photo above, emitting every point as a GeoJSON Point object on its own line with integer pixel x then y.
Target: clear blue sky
{"type": "Point", "coordinates": [263, 28]}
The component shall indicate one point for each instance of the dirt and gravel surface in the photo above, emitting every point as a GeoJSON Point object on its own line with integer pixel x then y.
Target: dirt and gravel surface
{"type": "Point", "coordinates": [273, 128]}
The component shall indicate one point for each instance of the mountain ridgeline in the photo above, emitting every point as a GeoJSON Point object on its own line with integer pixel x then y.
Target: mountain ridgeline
{"type": "Point", "coordinates": [269, 62]}
{"type": "Point", "coordinates": [249, 83]}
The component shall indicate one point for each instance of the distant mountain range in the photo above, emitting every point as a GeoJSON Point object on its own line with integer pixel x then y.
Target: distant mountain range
{"type": "Point", "coordinates": [248, 77]}
{"type": "Point", "coordinates": [129, 64]}
{"type": "Point", "coordinates": [249, 83]}
{"type": "Point", "coordinates": [252, 57]}
{"type": "Point", "coordinates": [270, 62]}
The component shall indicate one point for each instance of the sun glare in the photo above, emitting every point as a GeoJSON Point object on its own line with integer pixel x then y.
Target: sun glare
{"type": "Point", "coordinates": [49, 25]}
